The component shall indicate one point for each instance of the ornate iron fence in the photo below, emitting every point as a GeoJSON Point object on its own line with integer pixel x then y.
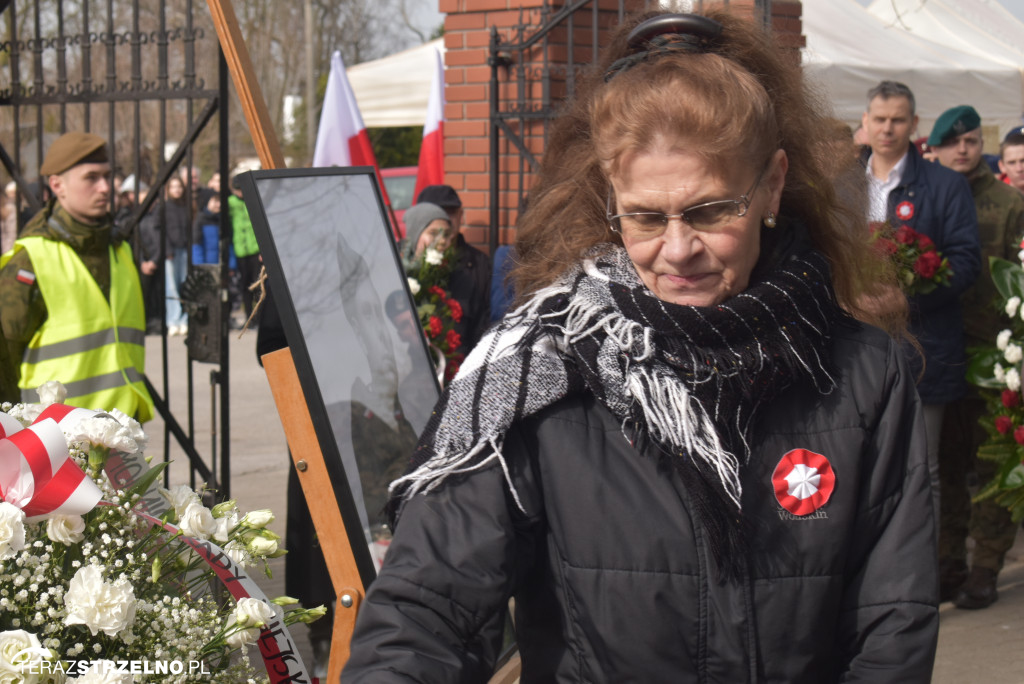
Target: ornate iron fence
{"type": "Point", "coordinates": [147, 75]}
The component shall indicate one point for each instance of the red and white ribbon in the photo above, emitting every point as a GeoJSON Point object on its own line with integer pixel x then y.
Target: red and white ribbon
{"type": "Point", "coordinates": [36, 472]}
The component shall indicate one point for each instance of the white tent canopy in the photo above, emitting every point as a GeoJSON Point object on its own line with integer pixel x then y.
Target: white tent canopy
{"type": "Point", "coordinates": [393, 91]}
{"type": "Point", "coordinates": [980, 26]}
{"type": "Point", "coordinates": [949, 52]}
{"type": "Point", "coordinates": [849, 50]}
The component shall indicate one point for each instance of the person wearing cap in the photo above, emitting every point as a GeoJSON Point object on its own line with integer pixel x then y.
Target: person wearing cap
{"type": "Point", "coordinates": [70, 302]}
{"type": "Point", "coordinates": [904, 189]}
{"type": "Point", "coordinates": [958, 144]}
{"type": "Point", "coordinates": [1011, 158]}
{"type": "Point", "coordinates": [470, 282]}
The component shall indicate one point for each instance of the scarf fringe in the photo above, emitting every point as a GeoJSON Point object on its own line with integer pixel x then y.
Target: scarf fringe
{"type": "Point", "coordinates": [690, 378]}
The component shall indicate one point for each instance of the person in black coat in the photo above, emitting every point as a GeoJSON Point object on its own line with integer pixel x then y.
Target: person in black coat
{"type": "Point", "coordinates": [687, 455]}
{"type": "Point", "coordinates": [470, 282]}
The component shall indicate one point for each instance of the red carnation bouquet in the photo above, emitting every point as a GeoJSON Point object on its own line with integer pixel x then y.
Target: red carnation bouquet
{"type": "Point", "coordinates": [921, 268]}
{"type": "Point", "coordinates": [438, 312]}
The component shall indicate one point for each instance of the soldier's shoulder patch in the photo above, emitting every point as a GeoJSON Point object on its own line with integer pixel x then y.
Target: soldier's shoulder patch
{"type": "Point", "coordinates": [27, 277]}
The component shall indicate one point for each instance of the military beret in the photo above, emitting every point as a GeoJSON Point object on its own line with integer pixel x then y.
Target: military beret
{"type": "Point", "coordinates": [72, 149]}
{"type": "Point", "coordinates": [1016, 130]}
{"type": "Point", "coordinates": [953, 122]}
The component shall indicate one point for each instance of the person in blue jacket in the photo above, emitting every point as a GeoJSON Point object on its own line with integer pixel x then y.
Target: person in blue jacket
{"type": "Point", "coordinates": [905, 189]}
{"type": "Point", "coordinates": [206, 236]}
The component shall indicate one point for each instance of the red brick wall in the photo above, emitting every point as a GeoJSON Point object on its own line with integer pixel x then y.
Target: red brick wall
{"type": "Point", "coordinates": [467, 80]}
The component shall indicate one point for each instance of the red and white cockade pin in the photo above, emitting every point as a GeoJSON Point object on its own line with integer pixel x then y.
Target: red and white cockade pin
{"type": "Point", "coordinates": [803, 481]}
{"type": "Point", "coordinates": [904, 211]}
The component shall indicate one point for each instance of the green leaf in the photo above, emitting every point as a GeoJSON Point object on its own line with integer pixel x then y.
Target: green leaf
{"type": "Point", "coordinates": [1015, 478]}
{"type": "Point", "coordinates": [143, 484]}
{"type": "Point", "coordinates": [980, 365]}
{"type": "Point", "coordinates": [1008, 277]}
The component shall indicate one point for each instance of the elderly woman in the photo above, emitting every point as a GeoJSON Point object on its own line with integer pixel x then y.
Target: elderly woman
{"type": "Point", "coordinates": [680, 455]}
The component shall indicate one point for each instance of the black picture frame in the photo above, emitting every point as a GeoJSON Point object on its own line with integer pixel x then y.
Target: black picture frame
{"type": "Point", "coordinates": [362, 359]}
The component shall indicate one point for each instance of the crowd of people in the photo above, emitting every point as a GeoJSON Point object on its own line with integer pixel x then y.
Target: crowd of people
{"type": "Point", "coordinates": [706, 403]}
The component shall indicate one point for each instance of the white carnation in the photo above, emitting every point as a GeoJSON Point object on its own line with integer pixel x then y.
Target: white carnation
{"type": "Point", "coordinates": [51, 392]}
{"type": "Point", "coordinates": [999, 372]}
{"type": "Point", "coordinates": [65, 529]}
{"type": "Point", "coordinates": [1020, 256]}
{"type": "Point", "coordinates": [103, 429]}
{"type": "Point", "coordinates": [197, 521]}
{"type": "Point", "coordinates": [1013, 379]}
{"type": "Point", "coordinates": [1012, 304]}
{"type": "Point", "coordinates": [103, 672]}
{"type": "Point", "coordinates": [101, 606]}
{"type": "Point", "coordinates": [12, 530]}
{"type": "Point", "coordinates": [13, 658]}
{"type": "Point", "coordinates": [1013, 353]}
{"type": "Point", "coordinates": [180, 498]}
{"type": "Point", "coordinates": [1003, 339]}
{"type": "Point", "coordinates": [433, 257]}
{"type": "Point", "coordinates": [26, 413]}
{"type": "Point", "coordinates": [414, 286]}
{"type": "Point", "coordinates": [134, 429]}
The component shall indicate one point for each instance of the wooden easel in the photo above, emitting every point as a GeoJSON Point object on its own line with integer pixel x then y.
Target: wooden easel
{"type": "Point", "coordinates": [316, 485]}
{"type": "Point", "coordinates": [280, 369]}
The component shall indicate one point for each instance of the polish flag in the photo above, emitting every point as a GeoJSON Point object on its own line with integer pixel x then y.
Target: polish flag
{"type": "Point", "coordinates": [431, 165]}
{"type": "Point", "coordinates": [342, 139]}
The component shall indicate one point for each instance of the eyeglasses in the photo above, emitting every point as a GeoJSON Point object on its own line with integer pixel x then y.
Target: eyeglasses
{"type": "Point", "coordinates": [708, 217]}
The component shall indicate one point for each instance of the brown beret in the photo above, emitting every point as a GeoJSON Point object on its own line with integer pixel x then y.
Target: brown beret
{"type": "Point", "coordinates": [72, 149]}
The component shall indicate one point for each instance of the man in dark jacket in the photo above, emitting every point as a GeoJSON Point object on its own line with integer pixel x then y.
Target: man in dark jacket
{"type": "Point", "coordinates": [470, 282]}
{"type": "Point", "coordinates": [904, 189]}
{"type": "Point", "coordinates": [958, 143]}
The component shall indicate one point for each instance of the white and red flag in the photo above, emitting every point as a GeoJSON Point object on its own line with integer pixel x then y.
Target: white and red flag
{"type": "Point", "coordinates": [431, 165]}
{"type": "Point", "coordinates": [342, 139]}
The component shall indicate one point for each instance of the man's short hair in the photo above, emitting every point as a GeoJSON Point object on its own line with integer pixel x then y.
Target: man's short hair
{"type": "Point", "coordinates": [1009, 141]}
{"type": "Point", "coordinates": [887, 89]}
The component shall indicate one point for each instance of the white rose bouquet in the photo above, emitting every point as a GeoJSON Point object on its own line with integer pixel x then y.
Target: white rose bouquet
{"type": "Point", "coordinates": [98, 570]}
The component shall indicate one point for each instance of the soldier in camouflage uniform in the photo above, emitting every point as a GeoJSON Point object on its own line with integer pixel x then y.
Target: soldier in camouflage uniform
{"type": "Point", "coordinates": [957, 140]}
{"type": "Point", "coordinates": [78, 172]}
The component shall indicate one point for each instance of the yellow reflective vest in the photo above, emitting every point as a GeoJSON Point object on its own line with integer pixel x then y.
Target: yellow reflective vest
{"type": "Point", "coordinates": [94, 347]}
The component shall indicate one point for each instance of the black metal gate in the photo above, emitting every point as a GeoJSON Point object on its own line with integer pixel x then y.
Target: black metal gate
{"type": "Point", "coordinates": [149, 76]}
{"type": "Point", "coordinates": [533, 69]}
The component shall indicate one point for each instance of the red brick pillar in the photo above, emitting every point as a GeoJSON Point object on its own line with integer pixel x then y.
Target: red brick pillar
{"type": "Point", "coordinates": [467, 84]}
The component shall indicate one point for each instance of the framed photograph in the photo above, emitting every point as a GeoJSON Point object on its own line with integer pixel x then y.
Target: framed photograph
{"type": "Point", "coordinates": [363, 362]}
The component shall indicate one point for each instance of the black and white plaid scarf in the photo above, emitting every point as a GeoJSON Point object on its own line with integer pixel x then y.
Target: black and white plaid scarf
{"type": "Point", "coordinates": [687, 379]}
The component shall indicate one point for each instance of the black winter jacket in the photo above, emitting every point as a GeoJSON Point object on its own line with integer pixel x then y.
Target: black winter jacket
{"type": "Point", "coordinates": [612, 577]}
{"type": "Point", "coordinates": [937, 201]}
{"type": "Point", "coordinates": [470, 285]}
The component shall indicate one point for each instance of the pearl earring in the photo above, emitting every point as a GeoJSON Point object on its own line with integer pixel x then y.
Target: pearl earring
{"type": "Point", "coordinates": [769, 220]}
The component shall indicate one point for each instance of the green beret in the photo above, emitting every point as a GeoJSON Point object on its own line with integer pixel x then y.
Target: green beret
{"type": "Point", "coordinates": [953, 122]}
{"type": "Point", "coordinates": [72, 149]}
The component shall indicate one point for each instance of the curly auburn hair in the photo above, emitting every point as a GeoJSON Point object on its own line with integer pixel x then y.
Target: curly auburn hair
{"type": "Point", "coordinates": [734, 104]}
